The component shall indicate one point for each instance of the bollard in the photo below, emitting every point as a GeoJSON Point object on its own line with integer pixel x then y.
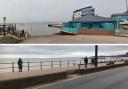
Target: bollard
{"type": "Point", "coordinates": [41, 65]}
{"type": "Point", "coordinates": [12, 66]}
{"type": "Point", "coordinates": [28, 66]}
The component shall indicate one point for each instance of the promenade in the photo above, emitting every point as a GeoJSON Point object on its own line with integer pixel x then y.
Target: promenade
{"type": "Point", "coordinates": [37, 77]}
{"type": "Point", "coordinates": [32, 73]}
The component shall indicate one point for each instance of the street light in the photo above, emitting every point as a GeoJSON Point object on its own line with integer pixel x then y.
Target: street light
{"type": "Point", "coordinates": [96, 55]}
{"type": "Point", "coordinates": [127, 5]}
{"type": "Point", "coordinates": [4, 19]}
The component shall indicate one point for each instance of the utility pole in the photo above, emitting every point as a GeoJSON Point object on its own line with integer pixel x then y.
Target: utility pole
{"type": "Point", "coordinates": [96, 55]}
{"type": "Point", "coordinates": [4, 19]}
{"type": "Point", "coordinates": [127, 6]}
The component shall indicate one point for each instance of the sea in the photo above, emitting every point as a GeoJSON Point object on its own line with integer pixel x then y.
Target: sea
{"type": "Point", "coordinates": [39, 28]}
{"type": "Point", "coordinates": [35, 63]}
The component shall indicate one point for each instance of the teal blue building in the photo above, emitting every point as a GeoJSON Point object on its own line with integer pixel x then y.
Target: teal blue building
{"type": "Point", "coordinates": [120, 16]}
{"type": "Point", "coordinates": [90, 22]}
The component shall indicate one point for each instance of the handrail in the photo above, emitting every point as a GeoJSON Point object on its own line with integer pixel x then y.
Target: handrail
{"type": "Point", "coordinates": [51, 64]}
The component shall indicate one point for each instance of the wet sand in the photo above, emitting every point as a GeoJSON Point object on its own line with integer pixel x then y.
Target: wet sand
{"type": "Point", "coordinates": [76, 39]}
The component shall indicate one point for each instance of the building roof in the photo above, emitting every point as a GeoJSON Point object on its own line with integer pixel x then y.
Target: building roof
{"type": "Point", "coordinates": [92, 18]}
{"type": "Point", "coordinates": [121, 14]}
{"type": "Point", "coordinates": [82, 9]}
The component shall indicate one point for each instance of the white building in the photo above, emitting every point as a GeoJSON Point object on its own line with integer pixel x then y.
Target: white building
{"type": "Point", "coordinates": [83, 12]}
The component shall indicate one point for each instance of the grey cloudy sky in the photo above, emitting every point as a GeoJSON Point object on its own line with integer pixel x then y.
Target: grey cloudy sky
{"type": "Point", "coordinates": [54, 51]}
{"type": "Point", "coordinates": [54, 10]}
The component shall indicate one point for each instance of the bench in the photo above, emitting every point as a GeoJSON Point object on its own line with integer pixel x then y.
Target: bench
{"type": "Point", "coordinates": [126, 62]}
{"type": "Point", "coordinates": [80, 65]}
{"type": "Point", "coordinates": [110, 63]}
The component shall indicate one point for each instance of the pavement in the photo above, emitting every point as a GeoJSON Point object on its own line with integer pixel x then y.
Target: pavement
{"type": "Point", "coordinates": [32, 73]}
{"type": "Point", "coordinates": [37, 72]}
{"type": "Point", "coordinates": [76, 39]}
{"type": "Point", "coordinates": [110, 79]}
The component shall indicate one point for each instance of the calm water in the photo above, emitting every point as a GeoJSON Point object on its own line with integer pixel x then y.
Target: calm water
{"type": "Point", "coordinates": [39, 28]}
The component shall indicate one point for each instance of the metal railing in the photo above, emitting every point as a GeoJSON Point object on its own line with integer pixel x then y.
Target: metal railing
{"type": "Point", "coordinates": [52, 64]}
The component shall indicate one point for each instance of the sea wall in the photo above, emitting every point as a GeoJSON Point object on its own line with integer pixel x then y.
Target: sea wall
{"type": "Point", "coordinates": [32, 81]}
{"type": "Point", "coordinates": [98, 69]}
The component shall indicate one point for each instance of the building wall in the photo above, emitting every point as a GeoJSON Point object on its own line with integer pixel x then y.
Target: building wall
{"type": "Point", "coordinates": [77, 15]}
{"type": "Point", "coordinates": [89, 11]}
{"type": "Point", "coordinates": [93, 28]}
{"type": "Point", "coordinates": [116, 17]}
{"type": "Point", "coordinates": [83, 12]}
{"type": "Point", "coordinates": [94, 32]}
{"type": "Point", "coordinates": [100, 25]}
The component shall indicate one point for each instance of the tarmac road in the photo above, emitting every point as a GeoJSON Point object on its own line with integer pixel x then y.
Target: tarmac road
{"type": "Point", "coordinates": [110, 79]}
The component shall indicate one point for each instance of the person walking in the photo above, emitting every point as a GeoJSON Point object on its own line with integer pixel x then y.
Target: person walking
{"type": "Point", "coordinates": [86, 61]}
{"type": "Point", "coordinates": [20, 64]}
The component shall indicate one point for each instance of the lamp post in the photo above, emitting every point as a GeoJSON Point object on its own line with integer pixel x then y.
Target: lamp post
{"type": "Point", "coordinates": [127, 6]}
{"type": "Point", "coordinates": [96, 55]}
{"type": "Point", "coordinates": [4, 19]}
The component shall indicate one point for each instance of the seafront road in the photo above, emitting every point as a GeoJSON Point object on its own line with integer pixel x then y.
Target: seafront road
{"type": "Point", "coordinates": [110, 79]}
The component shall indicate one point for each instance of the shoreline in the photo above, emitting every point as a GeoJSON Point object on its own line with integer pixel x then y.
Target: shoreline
{"type": "Point", "coordinates": [10, 39]}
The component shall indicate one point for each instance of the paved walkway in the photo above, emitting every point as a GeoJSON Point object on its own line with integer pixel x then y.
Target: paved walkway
{"type": "Point", "coordinates": [31, 73]}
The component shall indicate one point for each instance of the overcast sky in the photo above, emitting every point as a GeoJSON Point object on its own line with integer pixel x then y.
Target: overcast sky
{"type": "Point", "coordinates": [54, 10]}
{"type": "Point", "coordinates": [55, 51]}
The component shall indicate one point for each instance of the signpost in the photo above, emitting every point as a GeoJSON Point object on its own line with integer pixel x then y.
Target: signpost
{"type": "Point", "coordinates": [4, 19]}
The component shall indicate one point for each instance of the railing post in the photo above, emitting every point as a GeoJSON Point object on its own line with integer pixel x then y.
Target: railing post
{"type": "Point", "coordinates": [28, 66]}
{"type": "Point", "coordinates": [51, 65]}
{"type": "Point", "coordinates": [74, 63]}
{"type": "Point", "coordinates": [68, 63]}
{"type": "Point", "coordinates": [12, 66]}
{"type": "Point", "coordinates": [41, 65]}
{"type": "Point", "coordinates": [60, 64]}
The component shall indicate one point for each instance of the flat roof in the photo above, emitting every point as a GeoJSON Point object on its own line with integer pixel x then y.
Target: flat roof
{"type": "Point", "coordinates": [121, 14]}
{"type": "Point", "coordinates": [92, 18]}
{"type": "Point", "coordinates": [82, 9]}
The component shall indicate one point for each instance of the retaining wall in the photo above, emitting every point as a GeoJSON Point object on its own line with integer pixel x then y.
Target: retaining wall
{"type": "Point", "coordinates": [32, 81]}
{"type": "Point", "coordinates": [98, 69]}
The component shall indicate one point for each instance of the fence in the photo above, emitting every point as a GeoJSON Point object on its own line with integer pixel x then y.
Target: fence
{"type": "Point", "coordinates": [51, 64]}
{"type": "Point", "coordinates": [12, 29]}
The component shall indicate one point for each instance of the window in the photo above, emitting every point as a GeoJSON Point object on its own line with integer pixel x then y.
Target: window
{"type": "Point", "coordinates": [90, 26]}
{"type": "Point", "coordinates": [100, 26]}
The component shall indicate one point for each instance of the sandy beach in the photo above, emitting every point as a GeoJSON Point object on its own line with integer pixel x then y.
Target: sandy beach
{"type": "Point", "coordinates": [76, 39]}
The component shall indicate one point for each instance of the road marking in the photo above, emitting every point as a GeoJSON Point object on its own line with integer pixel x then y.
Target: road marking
{"type": "Point", "coordinates": [43, 86]}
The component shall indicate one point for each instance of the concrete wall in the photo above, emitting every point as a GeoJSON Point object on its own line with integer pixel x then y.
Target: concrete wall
{"type": "Point", "coordinates": [98, 69]}
{"type": "Point", "coordinates": [32, 81]}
